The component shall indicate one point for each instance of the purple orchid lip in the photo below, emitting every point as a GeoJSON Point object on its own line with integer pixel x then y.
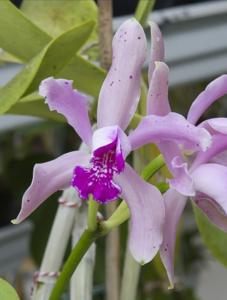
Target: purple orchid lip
{"type": "Point", "coordinates": [98, 178]}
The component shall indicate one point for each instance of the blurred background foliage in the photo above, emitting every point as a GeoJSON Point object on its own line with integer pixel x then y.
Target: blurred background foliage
{"type": "Point", "coordinates": [70, 31]}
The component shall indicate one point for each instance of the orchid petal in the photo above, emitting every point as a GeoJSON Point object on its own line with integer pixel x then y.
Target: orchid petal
{"type": "Point", "coordinates": [147, 215]}
{"type": "Point", "coordinates": [221, 158]}
{"type": "Point", "coordinates": [182, 180]}
{"type": "Point", "coordinates": [157, 48]}
{"type": "Point", "coordinates": [157, 99]}
{"type": "Point", "coordinates": [107, 135]}
{"type": "Point", "coordinates": [48, 178]}
{"type": "Point", "coordinates": [61, 96]}
{"type": "Point", "coordinates": [174, 205]}
{"type": "Point", "coordinates": [120, 91]}
{"type": "Point", "coordinates": [215, 89]}
{"type": "Point", "coordinates": [215, 125]}
{"type": "Point", "coordinates": [210, 179]}
{"type": "Point", "coordinates": [170, 127]}
{"type": "Point", "coordinates": [219, 145]}
{"type": "Point", "coordinates": [211, 210]}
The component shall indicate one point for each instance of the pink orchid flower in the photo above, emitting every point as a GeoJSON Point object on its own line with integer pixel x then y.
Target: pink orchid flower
{"type": "Point", "coordinates": [103, 172]}
{"type": "Point", "coordinates": [201, 176]}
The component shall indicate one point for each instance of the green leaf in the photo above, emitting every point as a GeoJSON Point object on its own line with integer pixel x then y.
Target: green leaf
{"type": "Point", "coordinates": [7, 292]}
{"type": "Point", "coordinates": [87, 77]}
{"type": "Point", "coordinates": [63, 48]}
{"type": "Point", "coordinates": [56, 17]}
{"type": "Point", "coordinates": [143, 9]}
{"type": "Point", "coordinates": [214, 238]}
{"type": "Point", "coordinates": [35, 108]}
{"type": "Point", "coordinates": [18, 35]}
{"type": "Point", "coordinates": [81, 71]}
{"type": "Point", "coordinates": [48, 62]}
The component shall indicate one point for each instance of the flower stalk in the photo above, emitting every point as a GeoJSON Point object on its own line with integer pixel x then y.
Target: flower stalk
{"type": "Point", "coordinates": [92, 214]}
{"type": "Point", "coordinates": [84, 243]}
{"type": "Point", "coordinates": [81, 283]}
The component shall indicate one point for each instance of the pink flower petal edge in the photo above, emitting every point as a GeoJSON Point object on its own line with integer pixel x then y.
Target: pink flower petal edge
{"type": "Point", "coordinates": [147, 215]}
{"type": "Point", "coordinates": [120, 92]}
{"type": "Point", "coordinates": [60, 96]}
{"type": "Point", "coordinates": [48, 178]}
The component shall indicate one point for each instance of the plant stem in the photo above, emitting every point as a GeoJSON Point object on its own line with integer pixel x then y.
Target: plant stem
{"type": "Point", "coordinates": [105, 32]}
{"type": "Point", "coordinates": [84, 243]}
{"type": "Point", "coordinates": [81, 284]}
{"type": "Point", "coordinates": [130, 277]}
{"type": "Point", "coordinates": [120, 215]}
{"type": "Point", "coordinates": [92, 214]}
{"type": "Point", "coordinates": [143, 9]}
{"type": "Point", "coordinates": [112, 260]}
{"type": "Point", "coordinates": [154, 166]}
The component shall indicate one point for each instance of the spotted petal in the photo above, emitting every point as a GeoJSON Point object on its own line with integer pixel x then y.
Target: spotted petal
{"type": "Point", "coordinates": [120, 92]}
{"type": "Point", "coordinates": [155, 129]}
{"type": "Point", "coordinates": [157, 99]}
{"type": "Point", "coordinates": [174, 205]}
{"type": "Point", "coordinates": [147, 215]}
{"type": "Point", "coordinates": [157, 48]}
{"type": "Point", "coordinates": [216, 89]}
{"type": "Point", "coordinates": [60, 96]}
{"type": "Point", "coordinates": [48, 178]}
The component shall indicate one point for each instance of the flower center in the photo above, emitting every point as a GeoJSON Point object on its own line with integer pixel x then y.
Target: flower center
{"type": "Point", "coordinates": [98, 179]}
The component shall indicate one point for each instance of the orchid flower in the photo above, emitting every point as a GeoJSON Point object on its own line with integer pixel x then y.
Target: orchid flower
{"type": "Point", "coordinates": [200, 176]}
{"type": "Point", "coordinates": [103, 172]}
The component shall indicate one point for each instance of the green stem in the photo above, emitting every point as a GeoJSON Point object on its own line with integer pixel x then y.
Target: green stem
{"type": "Point", "coordinates": [154, 166]}
{"type": "Point", "coordinates": [143, 9]}
{"type": "Point", "coordinates": [92, 214]}
{"type": "Point", "coordinates": [135, 121]}
{"type": "Point", "coordinates": [84, 243]}
{"type": "Point", "coordinates": [120, 215]}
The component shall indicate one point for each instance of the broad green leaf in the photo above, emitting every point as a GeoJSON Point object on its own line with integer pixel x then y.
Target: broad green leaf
{"type": "Point", "coordinates": [35, 108]}
{"type": "Point", "coordinates": [18, 35]}
{"type": "Point", "coordinates": [143, 9]}
{"type": "Point", "coordinates": [56, 17]}
{"type": "Point", "coordinates": [34, 105]}
{"type": "Point", "coordinates": [61, 53]}
{"type": "Point", "coordinates": [7, 57]}
{"type": "Point", "coordinates": [31, 97]}
{"type": "Point", "coordinates": [7, 292]}
{"type": "Point", "coordinates": [87, 77]}
{"type": "Point", "coordinates": [214, 238]}
{"type": "Point", "coordinates": [48, 62]}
